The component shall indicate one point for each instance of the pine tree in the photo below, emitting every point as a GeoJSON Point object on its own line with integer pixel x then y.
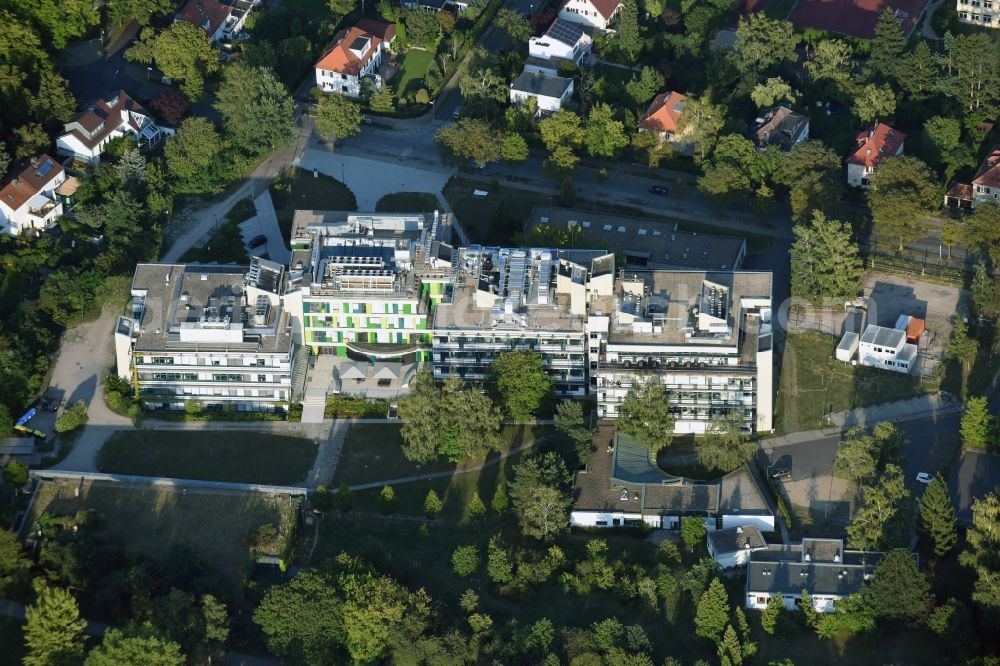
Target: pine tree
{"type": "Point", "coordinates": [730, 651]}
{"type": "Point", "coordinates": [476, 510]}
{"type": "Point", "coordinates": [498, 564]}
{"type": "Point", "coordinates": [825, 262]}
{"type": "Point", "coordinates": [810, 616]}
{"type": "Point", "coordinates": [432, 504]}
{"type": "Point", "coordinates": [747, 646]}
{"type": "Point", "coordinates": [888, 46]}
{"type": "Point", "coordinates": [712, 616]}
{"type": "Point", "coordinates": [975, 427]}
{"type": "Point", "coordinates": [771, 616]}
{"type": "Point", "coordinates": [629, 39]}
{"type": "Point", "coordinates": [937, 517]}
{"type": "Point", "coordinates": [983, 551]}
{"type": "Point", "coordinates": [54, 630]}
{"type": "Point", "coordinates": [499, 503]}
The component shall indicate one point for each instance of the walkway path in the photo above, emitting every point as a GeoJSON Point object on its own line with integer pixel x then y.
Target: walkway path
{"type": "Point", "coordinates": [920, 407]}
{"type": "Point", "coordinates": [265, 223]}
{"type": "Point", "coordinates": [325, 465]}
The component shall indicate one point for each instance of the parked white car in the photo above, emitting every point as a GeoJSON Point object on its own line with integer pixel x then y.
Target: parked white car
{"type": "Point", "coordinates": [924, 477]}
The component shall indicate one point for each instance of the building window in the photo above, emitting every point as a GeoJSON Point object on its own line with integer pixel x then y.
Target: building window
{"type": "Point", "coordinates": [261, 378]}
{"type": "Point", "coordinates": [163, 360]}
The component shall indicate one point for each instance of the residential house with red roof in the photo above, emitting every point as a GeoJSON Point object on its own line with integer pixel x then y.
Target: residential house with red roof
{"type": "Point", "coordinates": [28, 198]}
{"type": "Point", "coordinates": [985, 186]}
{"type": "Point", "coordinates": [663, 116]}
{"type": "Point", "coordinates": [88, 132]}
{"type": "Point", "coordinates": [597, 14]}
{"type": "Point", "coordinates": [870, 147]}
{"type": "Point", "coordinates": [356, 53]}
{"type": "Point", "coordinates": [221, 19]}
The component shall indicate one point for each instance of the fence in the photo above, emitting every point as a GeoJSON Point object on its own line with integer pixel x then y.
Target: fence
{"type": "Point", "coordinates": [183, 484]}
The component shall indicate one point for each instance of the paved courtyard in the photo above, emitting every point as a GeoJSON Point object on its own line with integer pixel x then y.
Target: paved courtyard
{"type": "Point", "coordinates": [370, 180]}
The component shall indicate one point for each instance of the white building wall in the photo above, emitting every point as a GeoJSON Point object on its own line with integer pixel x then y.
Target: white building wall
{"type": "Point", "coordinates": [762, 523]}
{"type": "Point", "coordinates": [583, 13]}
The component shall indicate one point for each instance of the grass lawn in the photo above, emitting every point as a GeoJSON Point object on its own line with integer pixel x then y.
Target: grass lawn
{"type": "Point", "coordinates": [408, 202]}
{"type": "Point", "coordinates": [299, 190]}
{"type": "Point", "coordinates": [213, 455]}
{"type": "Point", "coordinates": [779, 9]}
{"type": "Point", "coordinates": [227, 242]}
{"type": "Point", "coordinates": [372, 452]}
{"type": "Point", "coordinates": [498, 217]}
{"type": "Point", "coordinates": [813, 383]}
{"type": "Point", "coordinates": [151, 519]}
{"type": "Point", "coordinates": [409, 78]}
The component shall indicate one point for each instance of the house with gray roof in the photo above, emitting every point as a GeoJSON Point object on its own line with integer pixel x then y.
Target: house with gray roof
{"type": "Point", "coordinates": [551, 92]}
{"type": "Point", "coordinates": [821, 567]}
{"type": "Point", "coordinates": [623, 486]}
{"type": "Point", "coordinates": [731, 547]}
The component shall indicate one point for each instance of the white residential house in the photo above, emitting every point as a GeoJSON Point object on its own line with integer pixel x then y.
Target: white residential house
{"type": "Point", "coordinates": [563, 42]}
{"type": "Point", "coordinates": [820, 567]}
{"type": "Point", "coordinates": [597, 14]}
{"type": "Point", "coordinates": [978, 12]}
{"type": "Point", "coordinates": [28, 198]}
{"type": "Point", "coordinates": [355, 55]}
{"type": "Point", "coordinates": [731, 547]}
{"type": "Point", "coordinates": [88, 132]}
{"type": "Point", "coordinates": [551, 92]}
{"type": "Point", "coordinates": [221, 19]}
{"type": "Point", "coordinates": [887, 348]}
{"type": "Point", "coordinates": [985, 185]}
{"type": "Point", "coordinates": [870, 147]}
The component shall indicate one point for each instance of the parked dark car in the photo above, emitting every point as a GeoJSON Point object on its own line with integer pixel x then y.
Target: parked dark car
{"type": "Point", "coordinates": [257, 241]}
{"type": "Point", "coordinates": [659, 189]}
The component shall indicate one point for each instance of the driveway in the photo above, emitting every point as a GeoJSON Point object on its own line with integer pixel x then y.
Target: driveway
{"type": "Point", "coordinates": [370, 179]}
{"type": "Point", "coordinates": [265, 223]}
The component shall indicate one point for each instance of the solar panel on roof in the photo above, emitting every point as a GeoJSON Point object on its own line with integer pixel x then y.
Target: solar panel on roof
{"type": "Point", "coordinates": [44, 168]}
{"type": "Point", "coordinates": [565, 32]}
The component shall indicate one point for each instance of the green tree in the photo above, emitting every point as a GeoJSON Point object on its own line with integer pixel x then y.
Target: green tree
{"type": "Point", "coordinates": [645, 415]}
{"type": "Point", "coordinates": [826, 266]}
{"type": "Point", "coordinates": [15, 474]}
{"type": "Point", "coordinates": [899, 591]}
{"type": "Point", "coordinates": [513, 147]}
{"type": "Point", "coordinates": [72, 417]}
{"type": "Point", "coordinates": [419, 413]}
{"type": "Point", "coordinates": [53, 101]}
{"type": "Point", "coordinates": [919, 72]}
{"type": "Point", "coordinates": [382, 101]}
{"type": "Point", "coordinates": [469, 422]}
{"type": "Point", "coordinates": [812, 174]}
{"type": "Point", "coordinates": [62, 21]}
{"type": "Point", "coordinates": [961, 347]}
{"type": "Point", "coordinates": [729, 649]}
{"type": "Point", "coordinates": [874, 101]}
{"type": "Point", "coordinates": [183, 52]}
{"type": "Point", "coordinates": [521, 384]}
{"type": "Point", "coordinates": [476, 510]}
{"type": "Point", "coordinates": [117, 648]}
{"type": "Point", "coordinates": [53, 633]}
{"type": "Point", "coordinates": [771, 618]}
{"type": "Point", "coordinates": [807, 610]}
{"type": "Point", "coordinates": [888, 46]}
{"type": "Point", "coordinates": [422, 29]}
{"type": "Point", "coordinates": [562, 133]}
{"type": "Point", "coordinates": [831, 61]}
{"type": "Point", "coordinates": [982, 230]}
{"type": "Point", "coordinates": [856, 457]}
{"type": "Point", "coordinates": [569, 421]}
{"type": "Point", "coordinates": [944, 136]}
{"type": "Point", "coordinates": [343, 499]}
{"type": "Point", "coordinates": [971, 74]}
{"type": "Point", "coordinates": [951, 233]}
{"type": "Point", "coordinates": [257, 111]}
{"type": "Point", "coordinates": [539, 495]}
{"type": "Point", "coordinates": [700, 123]}
{"type": "Point", "coordinates": [976, 424]}
{"type": "Point", "coordinates": [483, 90]}
{"type": "Point", "coordinates": [337, 117]}
{"type": "Point", "coordinates": [432, 504]}
{"type": "Point", "coordinates": [465, 560]}
{"type": "Point", "coordinates": [302, 619]}
{"type": "Point", "coordinates": [513, 25]}
{"type": "Point", "coordinates": [644, 87]}
{"type": "Point", "coordinates": [938, 522]}
{"type": "Point", "coordinates": [142, 11]}
{"type": "Point", "coordinates": [14, 566]}
{"type": "Point", "coordinates": [881, 520]}
{"type": "Point", "coordinates": [983, 551]}
{"type": "Point", "coordinates": [712, 615]}
{"type": "Point", "coordinates": [192, 149]}
{"type": "Point", "coordinates": [387, 500]}
{"type": "Point", "coordinates": [603, 135]}
{"type": "Point", "coordinates": [499, 502]}
{"type": "Point", "coordinates": [693, 531]}
{"type": "Point", "coordinates": [216, 621]}
{"type": "Point", "coordinates": [469, 140]}
{"type": "Point", "coordinates": [627, 37]}
{"type": "Point", "coordinates": [773, 91]}
{"type": "Point", "coordinates": [761, 43]}
{"type": "Point", "coordinates": [341, 8]}
{"type": "Point", "coordinates": [901, 194]}
{"type": "Point", "coordinates": [726, 445]}
{"type": "Point", "coordinates": [498, 564]}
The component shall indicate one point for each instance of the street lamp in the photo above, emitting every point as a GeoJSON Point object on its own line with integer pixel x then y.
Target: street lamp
{"type": "Point", "coordinates": [149, 71]}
